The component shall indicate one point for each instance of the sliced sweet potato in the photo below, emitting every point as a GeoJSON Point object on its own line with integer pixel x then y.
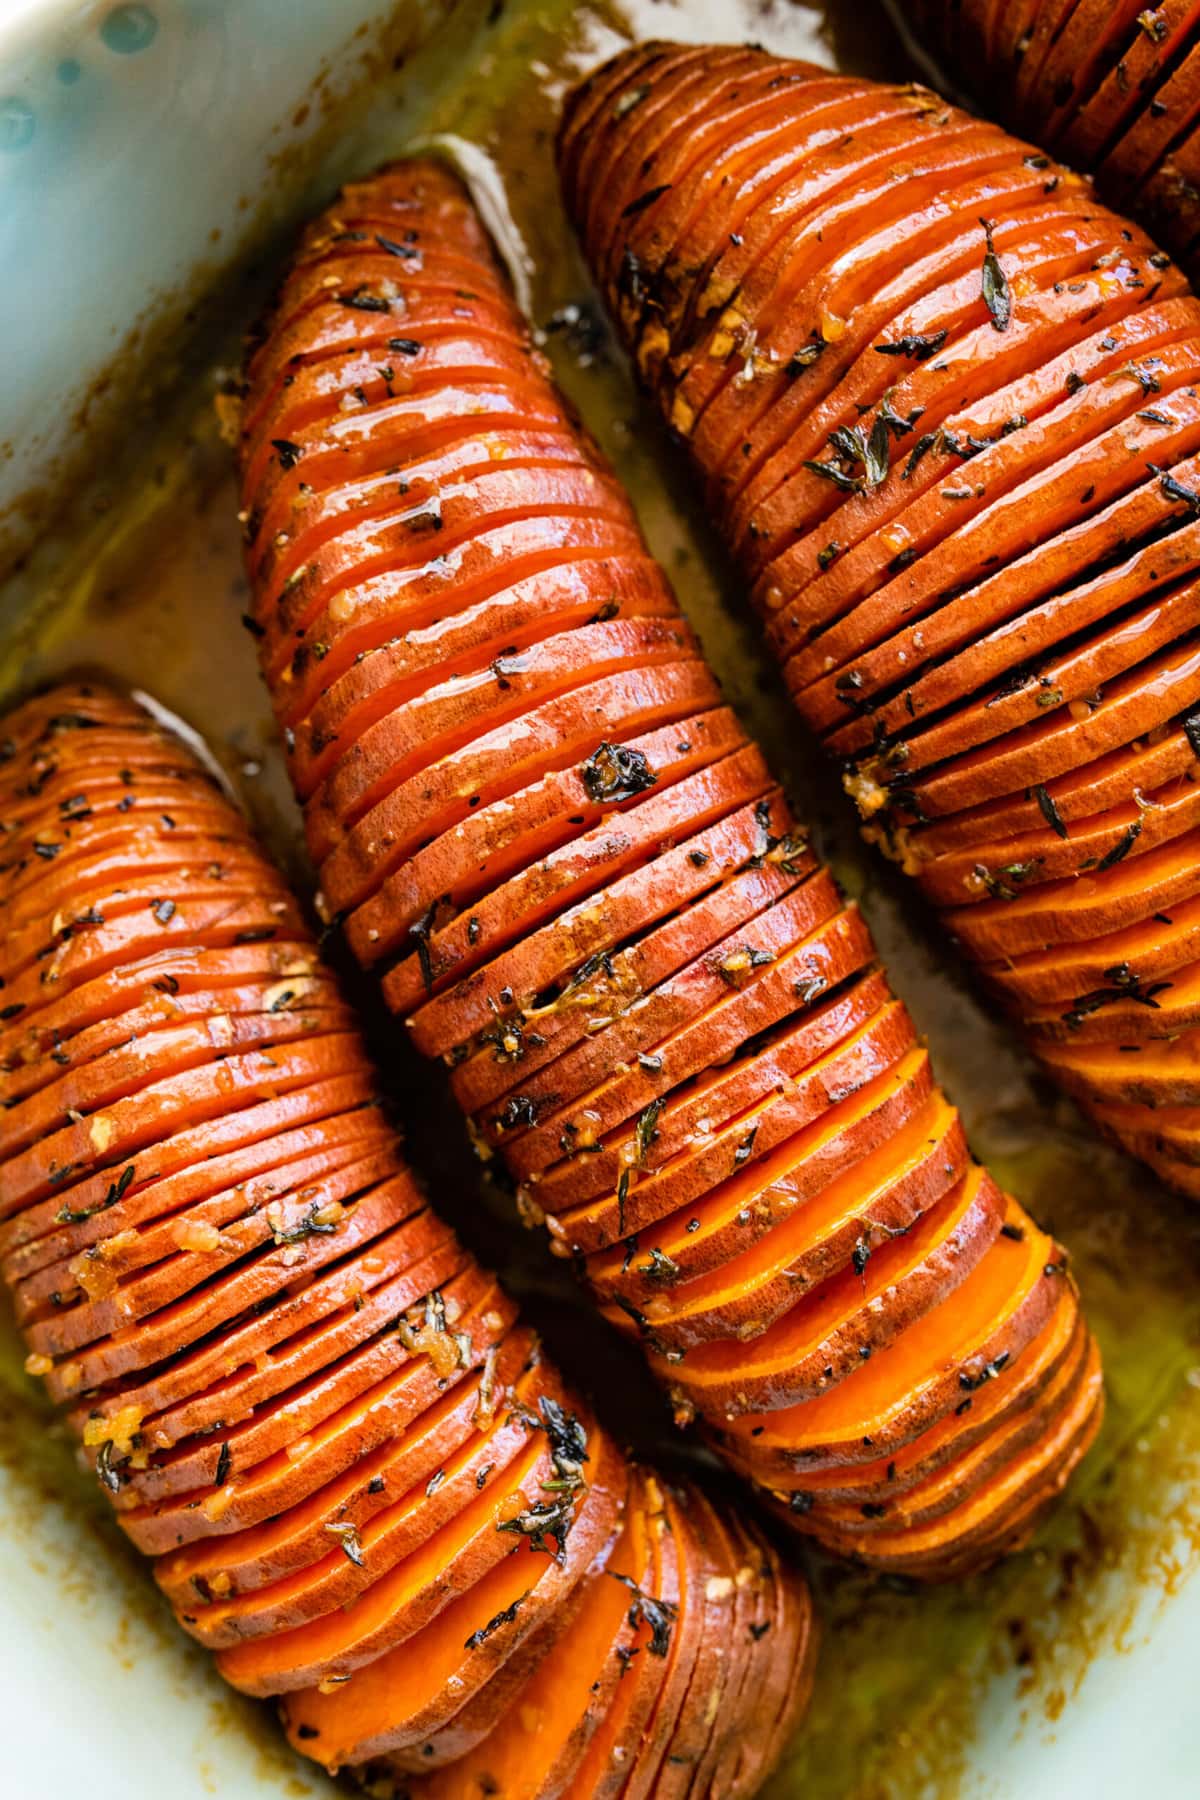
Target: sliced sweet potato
{"type": "Point", "coordinates": [561, 730]}
{"type": "Point", "coordinates": [746, 1172]}
{"type": "Point", "coordinates": [334, 1579]}
{"type": "Point", "coordinates": [81, 1198]}
{"type": "Point", "coordinates": [979, 578]}
{"type": "Point", "coordinates": [310, 1461]}
{"type": "Point", "coordinates": [544, 1736]}
{"type": "Point", "coordinates": [1011, 1390]}
{"type": "Point", "coordinates": [245, 1561]}
{"type": "Point", "coordinates": [1169, 114]}
{"type": "Point", "coordinates": [454, 868]}
{"type": "Point", "coordinates": [481, 1715]}
{"type": "Point", "coordinates": [469, 1296]}
{"type": "Point", "coordinates": [273, 1352]}
{"type": "Point", "coordinates": [654, 1002]}
{"type": "Point", "coordinates": [742, 1296]}
{"type": "Point", "coordinates": [994, 658]}
{"type": "Point", "coordinates": [974, 391]}
{"type": "Point", "coordinates": [791, 954]}
{"type": "Point", "coordinates": [131, 1275]}
{"type": "Point", "coordinates": [618, 857]}
{"type": "Point", "coordinates": [849, 1318]}
{"type": "Point", "coordinates": [411, 1690]}
{"type": "Point", "coordinates": [1000, 1514]}
{"type": "Point", "coordinates": [1109, 87]}
{"type": "Point", "coordinates": [297, 1388]}
{"type": "Point", "coordinates": [1142, 58]}
{"type": "Point", "coordinates": [995, 1312]}
{"type": "Point", "coordinates": [397, 1603]}
{"type": "Point", "coordinates": [1076, 909]}
{"type": "Point", "coordinates": [923, 1502]}
{"type": "Point", "coordinates": [620, 995]}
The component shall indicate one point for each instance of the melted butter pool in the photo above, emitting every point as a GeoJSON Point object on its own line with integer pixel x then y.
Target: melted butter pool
{"type": "Point", "coordinates": [147, 586]}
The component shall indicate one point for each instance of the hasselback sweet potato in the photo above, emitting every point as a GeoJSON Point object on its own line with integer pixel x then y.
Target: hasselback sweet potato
{"type": "Point", "coordinates": [1112, 88]}
{"type": "Point", "coordinates": [365, 1487]}
{"type": "Point", "coordinates": [582, 888]}
{"type": "Point", "coordinates": [955, 444]}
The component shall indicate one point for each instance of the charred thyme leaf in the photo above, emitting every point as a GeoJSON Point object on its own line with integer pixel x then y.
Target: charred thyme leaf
{"type": "Point", "coordinates": [997, 295]}
{"type": "Point", "coordinates": [901, 425]}
{"type": "Point", "coordinates": [407, 251]}
{"type": "Point", "coordinates": [917, 346]}
{"type": "Point", "coordinates": [659, 1615]}
{"type": "Point", "coordinates": [1130, 989]}
{"type": "Point", "coordinates": [829, 471]}
{"type": "Point", "coordinates": [544, 1520]}
{"type": "Point", "coordinates": [289, 454]}
{"type": "Point", "coordinates": [661, 1267]}
{"type": "Point", "coordinates": [1049, 810]}
{"type": "Point", "coordinates": [646, 1131]}
{"type": "Point", "coordinates": [347, 1536]}
{"type": "Point", "coordinates": [876, 459]}
{"type": "Point", "coordinates": [614, 772]}
{"type": "Point", "coordinates": [521, 1110]}
{"type": "Point", "coordinates": [485, 1631]}
{"type": "Point", "coordinates": [421, 930]}
{"type": "Point", "coordinates": [568, 1439]}
{"type": "Point", "coordinates": [1148, 382]}
{"type": "Point", "coordinates": [223, 1462]}
{"type": "Point", "coordinates": [361, 299]}
{"type": "Point", "coordinates": [1122, 847]}
{"type": "Point", "coordinates": [622, 1197]}
{"type": "Point", "coordinates": [311, 1225]}
{"type": "Point", "coordinates": [1176, 490]}
{"type": "Point", "coordinates": [923, 444]}
{"type": "Point", "coordinates": [106, 1470]}
{"type": "Point", "coordinates": [642, 201]}
{"type": "Point", "coordinates": [805, 356]}
{"type": "Point", "coordinates": [116, 1191]}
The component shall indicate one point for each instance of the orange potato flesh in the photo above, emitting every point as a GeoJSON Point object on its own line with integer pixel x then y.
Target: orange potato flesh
{"type": "Point", "coordinates": [579, 885]}
{"type": "Point", "coordinates": [970, 527]}
{"type": "Point", "coordinates": [303, 1396]}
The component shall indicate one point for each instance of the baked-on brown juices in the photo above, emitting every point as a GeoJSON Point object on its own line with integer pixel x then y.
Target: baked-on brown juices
{"type": "Point", "coordinates": [582, 888]}
{"type": "Point", "coordinates": [944, 409]}
{"type": "Point", "coordinates": [365, 1487]}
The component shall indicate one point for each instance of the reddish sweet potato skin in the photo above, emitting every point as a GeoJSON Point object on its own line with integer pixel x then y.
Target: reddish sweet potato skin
{"type": "Point", "coordinates": [1113, 89]}
{"type": "Point", "coordinates": [656, 1005]}
{"type": "Point", "coordinates": [948, 425]}
{"type": "Point", "coordinates": [304, 1398]}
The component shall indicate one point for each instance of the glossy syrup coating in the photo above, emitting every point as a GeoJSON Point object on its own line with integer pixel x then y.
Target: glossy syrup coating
{"type": "Point", "coordinates": [1111, 88]}
{"type": "Point", "coordinates": [583, 889]}
{"type": "Point", "coordinates": [365, 1487]}
{"type": "Point", "coordinates": [943, 406]}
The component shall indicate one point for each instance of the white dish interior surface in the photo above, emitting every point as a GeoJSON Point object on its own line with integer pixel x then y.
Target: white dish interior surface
{"type": "Point", "coordinates": [144, 149]}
